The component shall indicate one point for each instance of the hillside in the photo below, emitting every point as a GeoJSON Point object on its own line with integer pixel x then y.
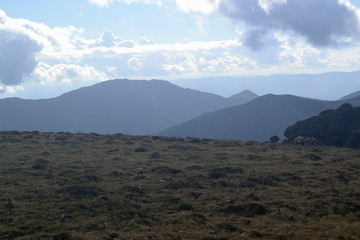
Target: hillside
{"type": "Point", "coordinates": [339, 127]}
{"type": "Point", "coordinates": [257, 120]}
{"type": "Point", "coordinates": [89, 186]}
{"type": "Point", "coordinates": [350, 96]}
{"type": "Point", "coordinates": [125, 106]}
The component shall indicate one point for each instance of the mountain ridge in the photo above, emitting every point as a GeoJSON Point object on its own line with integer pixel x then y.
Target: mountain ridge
{"type": "Point", "coordinates": [257, 120]}
{"type": "Point", "coordinates": [127, 106]}
{"type": "Point", "coordinates": [325, 86]}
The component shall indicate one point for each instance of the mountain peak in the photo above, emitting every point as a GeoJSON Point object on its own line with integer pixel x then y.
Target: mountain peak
{"type": "Point", "coordinates": [245, 94]}
{"type": "Point", "coordinates": [120, 105]}
{"type": "Point", "coordinates": [242, 97]}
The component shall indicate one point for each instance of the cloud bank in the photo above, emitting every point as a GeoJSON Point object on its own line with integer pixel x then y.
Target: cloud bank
{"type": "Point", "coordinates": [323, 23]}
{"type": "Point", "coordinates": [17, 52]}
{"type": "Point", "coordinates": [106, 3]}
{"type": "Point", "coordinates": [270, 36]}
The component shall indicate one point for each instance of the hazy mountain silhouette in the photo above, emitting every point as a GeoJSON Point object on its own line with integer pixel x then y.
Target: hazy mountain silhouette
{"type": "Point", "coordinates": [241, 98]}
{"type": "Point", "coordinates": [325, 86]}
{"type": "Point", "coordinates": [350, 96]}
{"type": "Point", "coordinates": [126, 106]}
{"type": "Point", "coordinates": [257, 120]}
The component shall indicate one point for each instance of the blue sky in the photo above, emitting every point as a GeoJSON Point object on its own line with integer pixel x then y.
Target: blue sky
{"type": "Point", "coordinates": [48, 47]}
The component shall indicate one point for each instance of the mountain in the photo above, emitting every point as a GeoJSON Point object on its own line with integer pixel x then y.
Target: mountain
{"type": "Point", "coordinates": [257, 120]}
{"type": "Point", "coordinates": [242, 97]}
{"type": "Point", "coordinates": [325, 86]}
{"type": "Point", "coordinates": [125, 106]}
{"type": "Point", "coordinates": [340, 127]}
{"type": "Point", "coordinates": [350, 96]}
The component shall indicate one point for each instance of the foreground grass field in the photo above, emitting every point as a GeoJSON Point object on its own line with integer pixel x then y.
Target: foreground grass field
{"type": "Point", "coordinates": [90, 186]}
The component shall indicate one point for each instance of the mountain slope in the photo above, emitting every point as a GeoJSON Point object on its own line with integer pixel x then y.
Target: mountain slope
{"type": "Point", "coordinates": [350, 96]}
{"type": "Point", "coordinates": [126, 106]}
{"type": "Point", "coordinates": [340, 127]}
{"type": "Point", "coordinates": [257, 120]}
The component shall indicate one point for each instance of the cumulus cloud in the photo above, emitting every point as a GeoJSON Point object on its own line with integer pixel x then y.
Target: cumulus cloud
{"type": "Point", "coordinates": [23, 44]}
{"type": "Point", "coordinates": [17, 52]}
{"type": "Point", "coordinates": [107, 39]}
{"type": "Point", "coordinates": [63, 55]}
{"type": "Point", "coordinates": [66, 73]}
{"type": "Point", "coordinates": [202, 6]}
{"type": "Point", "coordinates": [101, 3]}
{"type": "Point", "coordinates": [256, 39]}
{"type": "Point", "coordinates": [145, 41]}
{"type": "Point", "coordinates": [323, 23]}
{"type": "Point", "coordinates": [106, 3]}
{"type": "Point", "coordinates": [17, 56]}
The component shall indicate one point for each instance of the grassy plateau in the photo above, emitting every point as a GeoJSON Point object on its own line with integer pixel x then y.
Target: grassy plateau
{"type": "Point", "coordinates": [66, 186]}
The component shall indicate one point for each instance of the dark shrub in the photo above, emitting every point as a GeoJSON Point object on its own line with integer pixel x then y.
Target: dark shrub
{"type": "Point", "coordinates": [185, 207]}
{"type": "Point", "coordinates": [354, 139]}
{"type": "Point", "coordinates": [247, 210]}
{"type": "Point", "coordinates": [216, 174]}
{"type": "Point", "coordinates": [339, 127]}
{"type": "Point", "coordinates": [140, 149]}
{"type": "Point", "coordinates": [226, 227]}
{"type": "Point", "coordinates": [165, 170]}
{"type": "Point", "coordinates": [155, 155]}
{"type": "Point", "coordinates": [82, 191]}
{"type": "Point", "coordinates": [274, 139]}
{"type": "Point", "coordinates": [253, 157]}
{"type": "Point", "coordinates": [132, 189]}
{"type": "Point", "coordinates": [193, 167]}
{"type": "Point", "coordinates": [62, 236]}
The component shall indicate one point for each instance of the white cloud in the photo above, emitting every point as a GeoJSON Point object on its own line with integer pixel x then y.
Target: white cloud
{"type": "Point", "coordinates": [106, 3]}
{"type": "Point", "coordinates": [107, 39]}
{"type": "Point", "coordinates": [101, 3]}
{"type": "Point", "coordinates": [267, 5]}
{"type": "Point", "coordinates": [145, 41]}
{"type": "Point", "coordinates": [135, 63]}
{"type": "Point", "coordinates": [323, 23]}
{"type": "Point", "coordinates": [345, 60]}
{"type": "Point", "coordinates": [54, 42]}
{"type": "Point", "coordinates": [66, 73]}
{"type": "Point", "coordinates": [18, 48]}
{"type": "Point", "coordinates": [202, 6]}
{"type": "Point", "coordinates": [64, 55]}
{"type": "Point", "coordinates": [200, 22]}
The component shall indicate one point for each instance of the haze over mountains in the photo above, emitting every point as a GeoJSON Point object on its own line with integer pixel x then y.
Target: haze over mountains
{"type": "Point", "coordinates": [125, 106]}
{"type": "Point", "coordinates": [159, 107]}
{"type": "Point", "coordinates": [325, 86]}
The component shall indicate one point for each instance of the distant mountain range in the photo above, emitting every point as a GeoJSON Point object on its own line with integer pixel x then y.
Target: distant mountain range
{"type": "Point", "coordinates": [325, 86]}
{"type": "Point", "coordinates": [125, 106]}
{"type": "Point", "coordinates": [161, 108]}
{"type": "Point", "coordinates": [257, 120]}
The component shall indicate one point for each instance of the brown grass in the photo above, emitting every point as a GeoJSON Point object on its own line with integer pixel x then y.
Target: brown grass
{"type": "Point", "coordinates": [90, 186]}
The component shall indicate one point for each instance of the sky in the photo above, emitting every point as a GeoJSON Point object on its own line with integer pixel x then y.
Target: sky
{"type": "Point", "coordinates": [49, 47]}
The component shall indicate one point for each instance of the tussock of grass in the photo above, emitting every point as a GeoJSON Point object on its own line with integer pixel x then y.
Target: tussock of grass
{"type": "Point", "coordinates": [91, 186]}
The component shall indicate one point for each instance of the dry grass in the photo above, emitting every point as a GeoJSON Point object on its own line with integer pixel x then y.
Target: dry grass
{"type": "Point", "coordinates": [90, 186]}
